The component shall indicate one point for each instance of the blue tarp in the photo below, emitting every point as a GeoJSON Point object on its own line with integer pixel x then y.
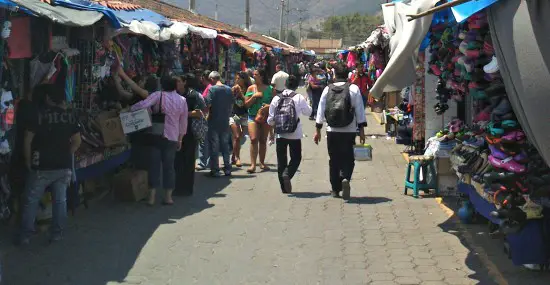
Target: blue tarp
{"type": "Point", "coordinates": [464, 11]}
{"type": "Point", "coordinates": [11, 6]}
{"type": "Point", "coordinates": [143, 15]}
{"type": "Point", "coordinates": [441, 17]}
{"type": "Point", "coordinates": [256, 46]}
{"type": "Point", "coordinates": [90, 6]}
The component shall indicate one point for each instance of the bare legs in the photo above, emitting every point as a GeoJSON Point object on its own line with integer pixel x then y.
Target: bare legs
{"type": "Point", "coordinates": [258, 145]}
{"type": "Point", "coordinates": [237, 135]}
{"type": "Point", "coordinates": [264, 135]}
{"type": "Point", "coordinates": [253, 132]}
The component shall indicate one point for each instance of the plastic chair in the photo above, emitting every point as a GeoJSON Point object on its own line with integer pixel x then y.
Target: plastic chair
{"type": "Point", "coordinates": [426, 164]}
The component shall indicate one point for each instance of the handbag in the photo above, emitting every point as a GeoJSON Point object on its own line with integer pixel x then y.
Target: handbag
{"type": "Point", "coordinates": [263, 113]}
{"type": "Point", "coordinates": [157, 120]}
{"type": "Point", "coordinates": [199, 127]}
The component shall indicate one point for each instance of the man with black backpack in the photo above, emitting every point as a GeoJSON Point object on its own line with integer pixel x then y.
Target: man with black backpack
{"type": "Point", "coordinates": [341, 105]}
{"type": "Point", "coordinates": [284, 112]}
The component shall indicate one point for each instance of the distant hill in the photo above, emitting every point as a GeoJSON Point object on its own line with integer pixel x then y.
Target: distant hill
{"type": "Point", "coordinates": [265, 15]}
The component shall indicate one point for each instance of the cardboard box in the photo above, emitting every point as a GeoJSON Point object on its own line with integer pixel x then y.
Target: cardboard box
{"type": "Point", "coordinates": [444, 166]}
{"type": "Point", "coordinates": [392, 99]}
{"type": "Point", "coordinates": [135, 121]}
{"type": "Point", "coordinates": [111, 129]}
{"type": "Point", "coordinates": [131, 185]}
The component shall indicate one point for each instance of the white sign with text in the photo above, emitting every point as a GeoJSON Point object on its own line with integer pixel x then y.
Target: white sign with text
{"type": "Point", "coordinates": [135, 121]}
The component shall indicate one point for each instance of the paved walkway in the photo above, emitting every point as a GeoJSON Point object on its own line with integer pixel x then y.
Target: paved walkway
{"type": "Point", "coordinates": [244, 231]}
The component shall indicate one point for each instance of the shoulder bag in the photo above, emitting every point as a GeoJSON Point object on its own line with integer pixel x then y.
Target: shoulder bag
{"type": "Point", "coordinates": [263, 113]}
{"type": "Point", "coordinates": [199, 127]}
{"type": "Point", "coordinates": [157, 120]}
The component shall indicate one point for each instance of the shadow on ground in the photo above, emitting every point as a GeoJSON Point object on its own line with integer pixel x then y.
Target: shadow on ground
{"type": "Point", "coordinates": [102, 243]}
{"type": "Point", "coordinates": [368, 200]}
{"type": "Point", "coordinates": [488, 252]}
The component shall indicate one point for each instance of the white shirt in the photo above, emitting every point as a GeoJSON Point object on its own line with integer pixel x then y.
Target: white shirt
{"type": "Point", "coordinates": [357, 104]}
{"type": "Point", "coordinates": [302, 108]}
{"type": "Point", "coordinates": [279, 80]}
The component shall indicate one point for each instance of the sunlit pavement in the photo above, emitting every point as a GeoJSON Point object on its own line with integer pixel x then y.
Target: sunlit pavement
{"type": "Point", "coordinates": [243, 230]}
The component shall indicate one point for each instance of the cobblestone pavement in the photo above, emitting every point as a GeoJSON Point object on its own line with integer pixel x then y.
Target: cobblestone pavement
{"type": "Point", "coordinates": [244, 231]}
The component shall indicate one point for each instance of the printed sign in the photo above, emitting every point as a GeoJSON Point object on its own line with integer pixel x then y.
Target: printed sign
{"type": "Point", "coordinates": [135, 121]}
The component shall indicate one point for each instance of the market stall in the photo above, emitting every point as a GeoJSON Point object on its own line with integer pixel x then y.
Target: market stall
{"type": "Point", "coordinates": [501, 173]}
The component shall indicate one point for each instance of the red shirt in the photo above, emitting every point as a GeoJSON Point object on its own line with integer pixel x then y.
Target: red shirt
{"type": "Point", "coordinates": [362, 81]}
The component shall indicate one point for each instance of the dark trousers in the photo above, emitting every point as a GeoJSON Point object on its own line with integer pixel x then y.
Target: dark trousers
{"type": "Point", "coordinates": [185, 166]}
{"type": "Point", "coordinates": [342, 161]}
{"type": "Point", "coordinates": [315, 98]}
{"type": "Point", "coordinates": [283, 166]}
{"type": "Point", "coordinates": [161, 169]}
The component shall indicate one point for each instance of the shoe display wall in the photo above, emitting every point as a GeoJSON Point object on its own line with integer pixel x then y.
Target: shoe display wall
{"type": "Point", "coordinates": [494, 151]}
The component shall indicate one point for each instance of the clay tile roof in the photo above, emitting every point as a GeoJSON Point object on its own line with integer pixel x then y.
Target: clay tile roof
{"type": "Point", "coordinates": [118, 5]}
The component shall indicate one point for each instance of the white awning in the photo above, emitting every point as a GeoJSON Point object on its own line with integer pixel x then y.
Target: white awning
{"type": "Point", "coordinates": [400, 71]}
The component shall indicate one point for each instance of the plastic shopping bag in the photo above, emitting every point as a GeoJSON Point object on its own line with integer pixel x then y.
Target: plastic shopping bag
{"type": "Point", "coordinates": [362, 152]}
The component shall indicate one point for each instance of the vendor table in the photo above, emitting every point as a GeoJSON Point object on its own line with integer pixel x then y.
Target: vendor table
{"type": "Point", "coordinates": [95, 170]}
{"type": "Point", "coordinates": [529, 246]}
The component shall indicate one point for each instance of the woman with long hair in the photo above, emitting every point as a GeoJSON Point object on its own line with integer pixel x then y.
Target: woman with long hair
{"type": "Point", "coordinates": [257, 96]}
{"type": "Point", "coordinates": [239, 120]}
{"type": "Point", "coordinates": [185, 158]}
{"type": "Point", "coordinates": [317, 83]}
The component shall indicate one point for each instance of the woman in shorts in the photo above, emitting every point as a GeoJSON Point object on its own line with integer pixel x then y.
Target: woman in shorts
{"type": "Point", "coordinates": [239, 120]}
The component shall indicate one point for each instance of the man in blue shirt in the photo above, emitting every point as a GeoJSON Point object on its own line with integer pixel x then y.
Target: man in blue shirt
{"type": "Point", "coordinates": [220, 100]}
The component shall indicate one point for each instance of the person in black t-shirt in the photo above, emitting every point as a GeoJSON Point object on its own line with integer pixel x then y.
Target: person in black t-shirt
{"type": "Point", "coordinates": [49, 144]}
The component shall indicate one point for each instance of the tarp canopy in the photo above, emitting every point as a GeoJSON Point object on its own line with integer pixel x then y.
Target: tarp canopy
{"type": "Point", "coordinates": [61, 15]}
{"type": "Point", "coordinates": [245, 44]}
{"type": "Point", "coordinates": [90, 6]}
{"type": "Point", "coordinates": [142, 15]}
{"type": "Point", "coordinates": [148, 29]}
{"type": "Point", "coordinates": [400, 71]}
{"type": "Point", "coordinates": [11, 6]}
{"type": "Point", "coordinates": [519, 30]}
{"type": "Point", "coordinates": [203, 32]}
{"type": "Point", "coordinates": [465, 10]}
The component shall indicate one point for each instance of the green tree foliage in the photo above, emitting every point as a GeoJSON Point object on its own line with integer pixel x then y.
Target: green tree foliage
{"type": "Point", "coordinates": [352, 29]}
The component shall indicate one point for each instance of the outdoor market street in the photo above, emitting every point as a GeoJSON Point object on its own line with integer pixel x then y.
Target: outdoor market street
{"type": "Point", "coordinates": [244, 231]}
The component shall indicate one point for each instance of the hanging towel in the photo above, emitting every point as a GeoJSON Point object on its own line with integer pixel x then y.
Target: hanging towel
{"type": "Point", "coordinates": [19, 42]}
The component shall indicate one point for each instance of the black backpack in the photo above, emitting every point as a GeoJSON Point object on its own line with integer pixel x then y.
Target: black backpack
{"type": "Point", "coordinates": [339, 111]}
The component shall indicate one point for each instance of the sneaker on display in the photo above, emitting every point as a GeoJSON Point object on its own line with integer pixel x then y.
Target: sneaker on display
{"type": "Point", "coordinates": [491, 67]}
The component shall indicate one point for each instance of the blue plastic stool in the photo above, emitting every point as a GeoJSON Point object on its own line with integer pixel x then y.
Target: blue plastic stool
{"type": "Point", "coordinates": [426, 164]}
